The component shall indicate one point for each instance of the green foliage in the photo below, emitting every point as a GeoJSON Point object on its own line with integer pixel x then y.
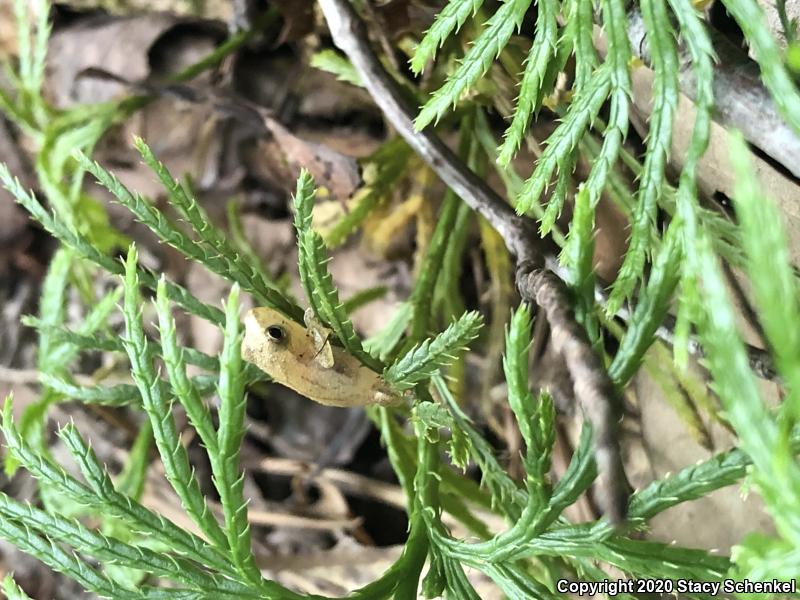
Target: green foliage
{"type": "Point", "coordinates": [33, 34]}
{"type": "Point", "coordinates": [316, 279]}
{"type": "Point", "coordinates": [83, 247]}
{"type": "Point", "coordinates": [535, 419]}
{"type": "Point", "coordinates": [228, 478]}
{"type": "Point", "coordinates": [476, 62]}
{"type": "Point", "coordinates": [213, 251]}
{"type": "Point", "coordinates": [424, 360]}
{"type": "Point", "coordinates": [449, 19]}
{"type": "Point", "coordinates": [434, 417]}
{"type": "Point", "coordinates": [335, 63]}
{"type": "Point", "coordinates": [158, 407]}
{"type": "Point", "coordinates": [505, 494]}
{"type": "Point", "coordinates": [765, 438]}
{"type": "Point", "coordinates": [12, 590]}
{"type": "Point", "coordinates": [213, 241]}
{"type": "Point", "coordinates": [751, 18]}
{"type": "Point", "coordinates": [649, 312]}
{"type": "Point", "coordinates": [664, 56]}
{"type": "Point", "coordinates": [770, 271]}
{"type": "Point", "coordinates": [533, 80]}
{"type": "Point", "coordinates": [38, 531]}
{"type": "Point", "coordinates": [562, 143]}
{"type": "Point", "coordinates": [224, 566]}
{"type": "Point", "coordinates": [175, 361]}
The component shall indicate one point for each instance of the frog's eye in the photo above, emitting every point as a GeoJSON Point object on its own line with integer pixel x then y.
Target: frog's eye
{"type": "Point", "coordinates": [276, 334]}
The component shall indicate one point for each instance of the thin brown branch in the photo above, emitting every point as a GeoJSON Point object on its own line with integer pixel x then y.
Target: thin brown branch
{"type": "Point", "coordinates": [592, 386]}
{"type": "Point", "coordinates": [760, 360]}
{"type": "Point", "coordinates": [537, 284]}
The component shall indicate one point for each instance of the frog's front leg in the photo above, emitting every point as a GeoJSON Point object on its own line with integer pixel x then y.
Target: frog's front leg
{"type": "Point", "coordinates": [320, 336]}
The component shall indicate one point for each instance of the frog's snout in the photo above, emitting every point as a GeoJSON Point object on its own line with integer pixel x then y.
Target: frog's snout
{"type": "Point", "coordinates": [249, 341]}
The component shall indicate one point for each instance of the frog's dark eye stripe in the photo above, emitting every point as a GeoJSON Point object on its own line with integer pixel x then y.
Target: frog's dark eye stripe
{"type": "Point", "coordinates": [276, 333]}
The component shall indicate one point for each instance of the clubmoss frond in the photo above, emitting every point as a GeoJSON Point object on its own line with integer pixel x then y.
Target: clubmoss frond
{"type": "Point", "coordinates": [158, 407]}
{"type": "Point", "coordinates": [564, 140]}
{"type": "Point", "coordinates": [316, 278]}
{"type": "Point", "coordinates": [530, 89]}
{"type": "Point", "coordinates": [448, 21]}
{"type": "Point", "coordinates": [228, 478]}
{"type": "Point", "coordinates": [476, 62]}
{"type": "Point", "coordinates": [214, 241]}
{"type": "Point", "coordinates": [664, 56]}
{"type": "Point", "coordinates": [424, 360]}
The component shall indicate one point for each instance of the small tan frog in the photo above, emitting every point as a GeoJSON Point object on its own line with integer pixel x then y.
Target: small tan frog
{"type": "Point", "coordinates": [304, 359]}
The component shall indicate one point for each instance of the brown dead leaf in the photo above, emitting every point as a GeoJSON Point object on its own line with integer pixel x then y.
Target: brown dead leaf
{"type": "Point", "coordinates": [336, 174]}
{"type": "Point", "coordinates": [8, 31]}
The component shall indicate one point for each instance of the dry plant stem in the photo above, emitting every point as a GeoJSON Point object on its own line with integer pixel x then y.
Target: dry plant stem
{"type": "Point", "coordinates": [591, 384]}
{"type": "Point", "coordinates": [537, 284]}
{"type": "Point", "coordinates": [360, 486]}
{"type": "Point", "coordinates": [760, 360]}
{"type": "Point", "coordinates": [31, 377]}
{"type": "Point", "coordinates": [352, 483]}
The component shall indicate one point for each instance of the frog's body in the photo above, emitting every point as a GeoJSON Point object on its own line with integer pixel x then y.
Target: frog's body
{"type": "Point", "coordinates": [303, 359]}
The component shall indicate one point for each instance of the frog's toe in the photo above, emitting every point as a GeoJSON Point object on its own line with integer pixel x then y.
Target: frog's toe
{"type": "Point", "coordinates": [387, 398]}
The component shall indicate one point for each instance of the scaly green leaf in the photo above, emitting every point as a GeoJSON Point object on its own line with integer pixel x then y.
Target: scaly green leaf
{"type": "Point", "coordinates": [12, 590]}
{"type": "Point", "coordinates": [214, 241]}
{"type": "Point", "coordinates": [424, 360]}
{"type": "Point", "coordinates": [750, 17]}
{"type": "Point", "coordinates": [84, 247]}
{"type": "Point", "coordinates": [542, 52]}
{"type": "Point", "coordinates": [316, 278]}
{"type": "Point", "coordinates": [449, 20]}
{"type": "Point", "coordinates": [664, 59]}
{"type": "Point", "coordinates": [484, 50]}
{"type": "Point", "coordinates": [336, 64]}
{"type": "Point", "coordinates": [158, 407]}
{"type": "Point", "coordinates": [563, 141]}
{"type": "Point", "coordinates": [770, 271]}
{"type": "Point", "coordinates": [229, 480]}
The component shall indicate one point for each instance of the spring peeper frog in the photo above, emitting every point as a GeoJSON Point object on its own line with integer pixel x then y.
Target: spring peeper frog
{"type": "Point", "coordinates": [304, 360]}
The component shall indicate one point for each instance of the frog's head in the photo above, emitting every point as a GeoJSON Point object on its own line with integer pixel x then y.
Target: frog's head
{"type": "Point", "coordinates": [270, 336]}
